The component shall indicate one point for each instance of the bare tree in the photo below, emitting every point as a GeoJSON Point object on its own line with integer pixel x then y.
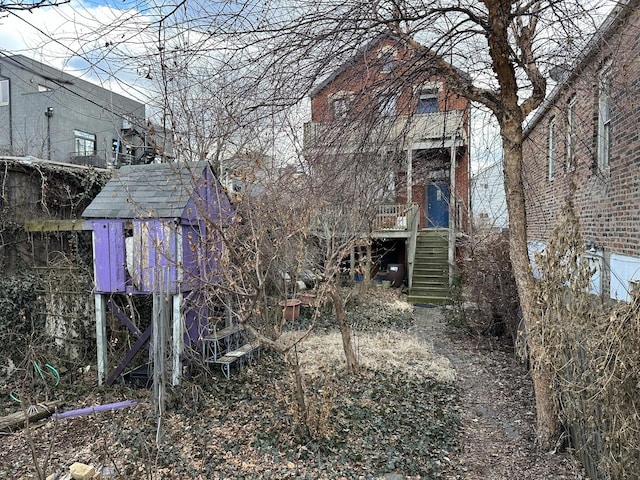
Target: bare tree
{"type": "Point", "coordinates": [494, 52]}
{"type": "Point", "coordinates": [19, 5]}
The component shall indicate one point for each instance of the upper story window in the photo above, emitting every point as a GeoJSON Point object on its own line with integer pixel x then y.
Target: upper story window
{"type": "Point", "coordinates": [387, 58]}
{"type": "Point", "coordinates": [388, 105]}
{"type": "Point", "coordinates": [551, 154]}
{"type": "Point", "coordinates": [571, 133]}
{"type": "Point", "coordinates": [340, 103]}
{"type": "Point", "coordinates": [4, 92]}
{"type": "Point", "coordinates": [85, 143]}
{"type": "Point", "coordinates": [428, 100]}
{"type": "Point", "coordinates": [340, 107]}
{"type": "Point", "coordinates": [604, 117]}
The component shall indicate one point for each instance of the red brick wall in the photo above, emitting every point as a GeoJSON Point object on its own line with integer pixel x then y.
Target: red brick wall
{"type": "Point", "coordinates": [607, 201]}
{"type": "Point", "coordinates": [365, 79]}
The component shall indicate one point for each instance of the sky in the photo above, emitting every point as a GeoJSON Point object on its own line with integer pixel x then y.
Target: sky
{"type": "Point", "coordinates": [67, 37]}
{"type": "Point", "coordinates": [75, 37]}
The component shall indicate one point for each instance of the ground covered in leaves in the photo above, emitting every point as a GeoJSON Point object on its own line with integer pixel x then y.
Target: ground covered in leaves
{"type": "Point", "coordinates": [430, 403]}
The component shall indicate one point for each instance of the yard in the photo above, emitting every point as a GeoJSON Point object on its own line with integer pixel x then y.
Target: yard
{"type": "Point", "coordinates": [432, 402]}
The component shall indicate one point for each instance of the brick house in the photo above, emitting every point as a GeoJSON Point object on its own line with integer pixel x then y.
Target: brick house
{"type": "Point", "coordinates": [389, 102]}
{"type": "Point", "coordinates": [586, 134]}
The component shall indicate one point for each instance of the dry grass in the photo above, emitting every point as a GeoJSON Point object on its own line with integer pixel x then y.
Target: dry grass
{"type": "Point", "coordinates": [387, 351]}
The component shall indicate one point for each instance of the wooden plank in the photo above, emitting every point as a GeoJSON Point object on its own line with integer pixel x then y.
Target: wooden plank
{"type": "Point", "coordinates": [231, 357]}
{"type": "Point", "coordinates": [142, 340]}
{"type": "Point", "coordinates": [177, 339]}
{"type": "Point", "coordinates": [57, 225]}
{"type": "Point", "coordinates": [101, 336]}
{"type": "Point", "coordinates": [17, 420]}
{"type": "Point", "coordinates": [223, 333]}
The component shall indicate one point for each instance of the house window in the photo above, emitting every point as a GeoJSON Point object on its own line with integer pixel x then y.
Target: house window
{"type": "Point", "coordinates": [551, 155]}
{"type": "Point", "coordinates": [428, 101]}
{"type": "Point", "coordinates": [604, 117]}
{"type": "Point", "coordinates": [4, 92]}
{"type": "Point", "coordinates": [387, 58]}
{"type": "Point", "coordinates": [571, 134]}
{"type": "Point", "coordinates": [387, 105]}
{"type": "Point", "coordinates": [85, 143]}
{"type": "Point", "coordinates": [340, 108]}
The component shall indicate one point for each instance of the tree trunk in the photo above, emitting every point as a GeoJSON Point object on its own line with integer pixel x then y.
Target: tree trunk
{"type": "Point", "coordinates": [345, 331]}
{"type": "Point", "coordinates": [547, 424]}
{"type": "Point", "coordinates": [301, 404]}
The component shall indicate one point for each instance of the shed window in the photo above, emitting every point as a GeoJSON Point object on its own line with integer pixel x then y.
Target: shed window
{"type": "Point", "coordinates": [85, 143]}
{"type": "Point", "coordinates": [4, 92]}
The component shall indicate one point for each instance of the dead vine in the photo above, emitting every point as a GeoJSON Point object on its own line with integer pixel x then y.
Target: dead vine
{"type": "Point", "coordinates": [594, 351]}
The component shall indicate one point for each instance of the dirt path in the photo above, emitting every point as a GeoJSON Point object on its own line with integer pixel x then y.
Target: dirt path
{"type": "Point", "coordinates": [497, 410]}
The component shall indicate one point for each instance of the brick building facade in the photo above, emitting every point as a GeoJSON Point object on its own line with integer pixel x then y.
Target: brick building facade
{"type": "Point", "coordinates": [390, 109]}
{"type": "Point", "coordinates": [584, 144]}
{"type": "Point", "coordinates": [388, 79]}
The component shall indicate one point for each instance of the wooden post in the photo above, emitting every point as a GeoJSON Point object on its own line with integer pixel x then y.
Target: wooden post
{"type": "Point", "coordinates": [352, 263]}
{"type": "Point", "coordinates": [101, 336]}
{"type": "Point", "coordinates": [452, 210]}
{"type": "Point", "coordinates": [176, 315]}
{"type": "Point", "coordinates": [409, 174]}
{"type": "Point", "coordinates": [178, 340]}
{"type": "Point", "coordinates": [367, 268]}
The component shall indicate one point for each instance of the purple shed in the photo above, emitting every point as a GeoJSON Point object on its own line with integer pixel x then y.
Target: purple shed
{"type": "Point", "coordinates": [150, 237]}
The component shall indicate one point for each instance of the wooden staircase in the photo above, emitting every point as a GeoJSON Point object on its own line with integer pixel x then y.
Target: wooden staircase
{"type": "Point", "coordinates": [430, 282]}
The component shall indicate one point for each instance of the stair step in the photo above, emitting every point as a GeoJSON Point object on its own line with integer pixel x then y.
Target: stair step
{"type": "Point", "coordinates": [430, 282]}
{"type": "Point", "coordinates": [428, 299]}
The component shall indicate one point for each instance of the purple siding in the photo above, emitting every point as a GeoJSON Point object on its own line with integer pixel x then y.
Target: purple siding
{"type": "Point", "coordinates": [109, 256]}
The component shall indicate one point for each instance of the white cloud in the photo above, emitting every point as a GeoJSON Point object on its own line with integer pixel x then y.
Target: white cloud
{"type": "Point", "coordinates": [87, 40]}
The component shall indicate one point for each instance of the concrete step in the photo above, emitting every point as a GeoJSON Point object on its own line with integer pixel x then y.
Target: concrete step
{"type": "Point", "coordinates": [428, 299]}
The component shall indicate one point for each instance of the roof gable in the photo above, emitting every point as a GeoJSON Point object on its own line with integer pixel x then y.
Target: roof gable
{"type": "Point", "coordinates": [359, 55]}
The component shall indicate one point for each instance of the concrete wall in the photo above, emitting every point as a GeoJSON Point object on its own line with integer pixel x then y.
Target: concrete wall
{"type": "Point", "coordinates": [75, 104]}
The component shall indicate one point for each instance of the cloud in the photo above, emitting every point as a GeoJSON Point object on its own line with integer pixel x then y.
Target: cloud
{"type": "Point", "coordinates": [89, 40]}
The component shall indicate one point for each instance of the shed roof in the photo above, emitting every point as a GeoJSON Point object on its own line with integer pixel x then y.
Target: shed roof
{"type": "Point", "coordinates": [148, 191]}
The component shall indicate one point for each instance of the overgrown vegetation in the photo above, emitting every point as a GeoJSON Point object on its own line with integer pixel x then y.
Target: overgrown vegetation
{"type": "Point", "coordinates": [394, 418]}
{"type": "Point", "coordinates": [486, 281]}
{"type": "Point", "coordinates": [593, 349]}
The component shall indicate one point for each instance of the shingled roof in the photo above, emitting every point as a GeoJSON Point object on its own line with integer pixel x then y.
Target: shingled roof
{"type": "Point", "coordinates": [147, 191]}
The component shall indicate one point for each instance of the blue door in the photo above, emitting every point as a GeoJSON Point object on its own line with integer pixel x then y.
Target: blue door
{"type": "Point", "coordinates": [438, 205]}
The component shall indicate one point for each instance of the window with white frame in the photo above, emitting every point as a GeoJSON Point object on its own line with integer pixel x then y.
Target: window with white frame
{"type": "Point", "coordinates": [551, 155]}
{"type": "Point", "coordinates": [4, 92]}
{"type": "Point", "coordinates": [387, 58]}
{"type": "Point", "coordinates": [85, 143]}
{"type": "Point", "coordinates": [428, 101]}
{"type": "Point", "coordinates": [387, 105]}
{"type": "Point", "coordinates": [340, 107]}
{"type": "Point", "coordinates": [604, 117]}
{"type": "Point", "coordinates": [571, 134]}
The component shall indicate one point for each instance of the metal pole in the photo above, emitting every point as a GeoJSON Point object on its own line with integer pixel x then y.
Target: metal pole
{"type": "Point", "coordinates": [48, 113]}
